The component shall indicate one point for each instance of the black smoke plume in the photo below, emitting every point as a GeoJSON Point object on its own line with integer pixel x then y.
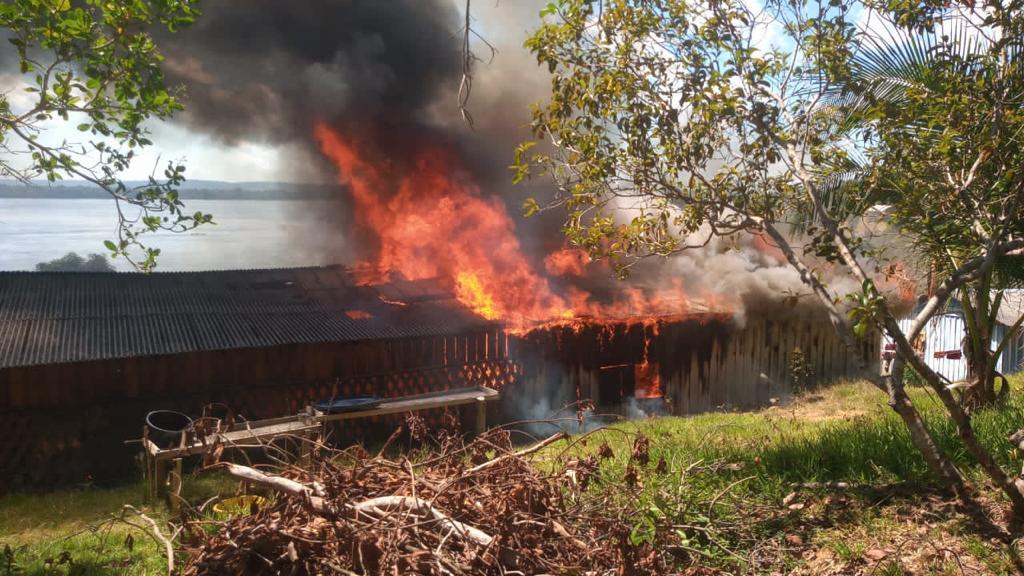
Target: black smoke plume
{"type": "Point", "coordinates": [267, 69]}
{"type": "Point", "coordinates": [387, 71]}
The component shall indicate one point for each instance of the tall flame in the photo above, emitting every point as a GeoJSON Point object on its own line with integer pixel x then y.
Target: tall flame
{"type": "Point", "coordinates": [431, 221]}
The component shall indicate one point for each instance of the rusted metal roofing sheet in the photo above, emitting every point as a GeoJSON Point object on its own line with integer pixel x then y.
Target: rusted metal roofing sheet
{"type": "Point", "coordinates": [55, 317]}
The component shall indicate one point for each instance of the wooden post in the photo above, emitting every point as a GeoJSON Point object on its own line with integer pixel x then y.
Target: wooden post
{"type": "Point", "coordinates": [306, 449]}
{"type": "Point", "coordinates": [159, 478]}
{"type": "Point", "coordinates": [174, 495]}
{"type": "Point", "coordinates": [147, 465]}
{"type": "Point", "coordinates": [481, 415]}
{"type": "Point", "coordinates": [163, 480]}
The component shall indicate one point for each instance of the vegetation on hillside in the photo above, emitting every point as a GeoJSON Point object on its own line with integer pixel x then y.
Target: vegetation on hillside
{"type": "Point", "coordinates": [72, 262]}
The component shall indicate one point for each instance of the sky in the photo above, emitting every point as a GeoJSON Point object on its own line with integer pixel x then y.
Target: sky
{"type": "Point", "coordinates": [247, 159]}
{"type": "Point", "coordinates": [250, 159]}
{"type": "Point", "coordinates": [205, 159]}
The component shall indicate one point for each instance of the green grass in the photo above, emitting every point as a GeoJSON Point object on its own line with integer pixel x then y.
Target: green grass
{"type": "Point", "coordinates": [742, 466]}
{"type": "Point", "coordinates": [69, 532]}
{"type": "Point", "coordinates": [843, 433]}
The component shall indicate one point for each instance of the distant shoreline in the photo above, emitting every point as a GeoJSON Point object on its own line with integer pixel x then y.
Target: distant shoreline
{"type": "Point", "coordinates": [199, 190]}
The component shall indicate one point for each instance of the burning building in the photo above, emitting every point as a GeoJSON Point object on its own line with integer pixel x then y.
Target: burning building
{"type": "Point", "coordinates": [657, 344]}
{"type": "Point", "coordinates": [455, 290]}
{"type": "Point", "coordinates": [699, 362]}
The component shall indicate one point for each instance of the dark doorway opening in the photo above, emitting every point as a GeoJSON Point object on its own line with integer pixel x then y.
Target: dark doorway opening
{"type": "Point", "coordinates": [614, 384]}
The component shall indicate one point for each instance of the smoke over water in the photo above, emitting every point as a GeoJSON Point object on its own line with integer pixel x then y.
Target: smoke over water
{"type": "Point", "coordinates": [366, 91]}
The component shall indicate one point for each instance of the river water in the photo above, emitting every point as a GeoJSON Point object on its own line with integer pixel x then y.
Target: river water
{"type": "Point", "coordinates": [248, 234]}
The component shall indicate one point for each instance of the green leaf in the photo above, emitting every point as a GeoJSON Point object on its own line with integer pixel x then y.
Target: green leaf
{"type": "Point", "coordinates": [860, 329]}
{"type": "Point", "coordinates": [107, 68]}
{"type": "Point", "coordinates": [530, 207]}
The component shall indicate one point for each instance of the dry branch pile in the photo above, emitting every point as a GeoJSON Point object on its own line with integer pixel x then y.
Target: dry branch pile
{"type": "Point", "coordinates": [480, 508]}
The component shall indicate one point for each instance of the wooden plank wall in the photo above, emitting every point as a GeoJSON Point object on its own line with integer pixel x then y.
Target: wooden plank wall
{"type": "Point", "coordinates": [750, 366]}
{"type": "Point", "coordinates": [705, 362]}
{"type": "Point", "coordinates": [67, 423]}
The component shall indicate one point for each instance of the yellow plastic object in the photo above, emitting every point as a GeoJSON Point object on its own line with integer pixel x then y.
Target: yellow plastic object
{"type": "Point", "coordinates": [238, 505]}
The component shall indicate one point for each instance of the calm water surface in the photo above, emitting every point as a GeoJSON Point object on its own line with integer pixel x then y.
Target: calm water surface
{"type": "Point", "coordinates": [248, 234]}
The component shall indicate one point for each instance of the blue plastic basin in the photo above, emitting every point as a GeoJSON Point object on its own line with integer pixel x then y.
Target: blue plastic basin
{"type": "Point", "coordinates": [347, 404]}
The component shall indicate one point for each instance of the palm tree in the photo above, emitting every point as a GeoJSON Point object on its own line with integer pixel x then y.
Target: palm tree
{"type": "Point", "coordinates": [899, 70]}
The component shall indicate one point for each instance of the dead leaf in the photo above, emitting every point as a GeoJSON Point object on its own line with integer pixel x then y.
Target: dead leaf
{"type": "Point", "coordinates": [875, 554]}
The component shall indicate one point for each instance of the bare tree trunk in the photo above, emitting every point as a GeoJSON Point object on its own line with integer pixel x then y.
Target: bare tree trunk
{"type": "Point", "coordinates": [978, 266]}
{"type": "Point", "coordinates": [979, 390]}
{"type": "Point", "coordinates": [994, 471]}
{"type": "Point", "coordinates": [983, 266]}
{"type": "Point", "coordinates": [938, 462]}
{"type": "Point", "coordinates": [983, 379]}
{"type": "Point", "coordinates": [961, 418]}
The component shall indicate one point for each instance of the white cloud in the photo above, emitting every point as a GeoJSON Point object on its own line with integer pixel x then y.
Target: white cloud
{"type": "Point", "coordinates": [767, 33]}
{"type": "Point", "coordinates": [206, 159]}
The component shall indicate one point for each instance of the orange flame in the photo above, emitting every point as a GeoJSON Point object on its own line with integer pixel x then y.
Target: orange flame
{"type": "Point", "coordinates": [648, 380]}
{"type": "Point", "coordinates": [431, 221]}
{"type": "Point", "coordinates": [431, 224]}
{"type": "Point", "coordinates": [567, 262]}
{"type": "Point", "coordinates": [469, 290]}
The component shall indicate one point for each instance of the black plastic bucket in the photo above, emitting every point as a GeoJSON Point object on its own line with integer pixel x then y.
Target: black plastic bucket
{"type": "Point", "coordinates": [166, 426]}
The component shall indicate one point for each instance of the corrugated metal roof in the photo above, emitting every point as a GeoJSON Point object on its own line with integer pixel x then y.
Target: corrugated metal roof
{"type": "Point", "coordinates": [56, 317]}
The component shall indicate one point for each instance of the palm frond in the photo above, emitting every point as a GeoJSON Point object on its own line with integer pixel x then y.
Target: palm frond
{"type": "Point", "coordinates": [891, 61]}
{"type": "Point", "coordinates": [1009, 271]}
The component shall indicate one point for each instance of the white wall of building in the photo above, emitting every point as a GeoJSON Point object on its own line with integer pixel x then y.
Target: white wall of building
{"type": "Point", "coordinates": [944, 344]}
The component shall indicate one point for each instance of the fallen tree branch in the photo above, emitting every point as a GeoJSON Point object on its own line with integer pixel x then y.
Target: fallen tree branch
{"type": "Point", "coordinates": [526, 451]}
{"type": "Point", "coordinates": [379, 506]}
{"type": "Point", "coordinates": [561, 531]}
{"type": "Point", "coordinates": [374, 506]}
{"type": "Point", "coordinates": [822, 485]}
{"type": "Point", "coordinates": [279, 483]}
{"type": "Point", "coordinates": [168, 547]}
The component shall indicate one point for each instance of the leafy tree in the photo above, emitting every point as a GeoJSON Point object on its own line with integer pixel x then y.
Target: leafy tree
{"type": "Point", "coordinates": [915, 80]}
{"type": "Point", "coordinates": [72, 262]}
{"type": "Point", "coordinates": [94, 63]}
{"type": "Point", "coordinates": [683, 113]}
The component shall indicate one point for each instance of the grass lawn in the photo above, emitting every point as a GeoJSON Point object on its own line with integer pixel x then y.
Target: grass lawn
{"type": "Point", "coordinates": [732, 484]}
{"type": "Point", "coordinates": [70, 532]}
{"type": "Point", "coordinates": [760, 491]}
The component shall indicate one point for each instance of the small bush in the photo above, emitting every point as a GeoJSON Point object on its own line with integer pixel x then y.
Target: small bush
{"type": "Point", "coordinates": [801, 370]}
